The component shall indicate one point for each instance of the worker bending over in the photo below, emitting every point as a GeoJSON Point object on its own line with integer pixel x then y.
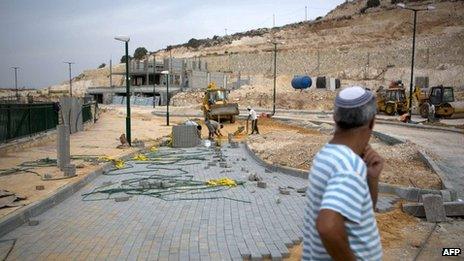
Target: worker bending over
{"type": "Point", "coordinates": [254, 120]}
{"type": "Point", "coordinates": [343, 186]}
{"type": "Point", "coordinates": [213, 128]}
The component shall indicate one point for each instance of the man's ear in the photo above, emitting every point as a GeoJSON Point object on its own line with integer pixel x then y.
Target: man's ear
{"type": "Point", "coordinates": [371, 124]}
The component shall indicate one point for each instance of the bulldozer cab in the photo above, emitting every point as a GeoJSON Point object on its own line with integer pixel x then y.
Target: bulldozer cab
{"type": "Point", "coordinates": [217, 95]}
{"type": "Point", "coordinates": [395, 95]}
{"type": "Point", "coordinates": [440, 94]}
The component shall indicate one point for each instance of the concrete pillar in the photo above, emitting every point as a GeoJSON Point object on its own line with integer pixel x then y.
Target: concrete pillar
{"type": "Point", "coordinates": [63, 146]}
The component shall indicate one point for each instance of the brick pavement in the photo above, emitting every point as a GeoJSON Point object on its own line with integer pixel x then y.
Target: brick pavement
{"type": "Point", "coordinates": [151, 228]}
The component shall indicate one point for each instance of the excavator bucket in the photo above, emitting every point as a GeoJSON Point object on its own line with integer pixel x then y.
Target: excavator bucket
{"type": "Point", "coordinates": [224, 110]}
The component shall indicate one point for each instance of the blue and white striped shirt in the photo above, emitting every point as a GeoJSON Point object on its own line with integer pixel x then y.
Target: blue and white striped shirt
{"type": "Point", "coordinates": [337, 181]}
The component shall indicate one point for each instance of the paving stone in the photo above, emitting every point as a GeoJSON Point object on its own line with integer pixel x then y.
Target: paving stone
{"type": "Point", "coordinates": [154, 229]}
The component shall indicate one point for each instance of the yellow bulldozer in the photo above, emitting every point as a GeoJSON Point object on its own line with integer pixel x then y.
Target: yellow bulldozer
{"type": "Point", "coordinates": [216, 105]}
{"type": "Point", "coordinates": [392, 100]}
{"type": "Point", "coordinates": [443, 100]}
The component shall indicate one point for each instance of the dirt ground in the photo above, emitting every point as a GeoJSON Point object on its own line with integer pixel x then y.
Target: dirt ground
{"type": "Point", "coordinates": [99, 139]}
{"type": "Point", "coordinates": [296, 147]}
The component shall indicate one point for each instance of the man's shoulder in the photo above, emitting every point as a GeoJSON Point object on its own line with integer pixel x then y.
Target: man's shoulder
{"type": "Point", "coordinates": [339, 158]}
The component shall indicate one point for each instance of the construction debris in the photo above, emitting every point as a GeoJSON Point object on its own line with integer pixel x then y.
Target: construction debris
{"type": "Point", "coordinates": [10, 199]}
{"type": "Point", "coordinates": [40, 187]}
{"type": "Point", "coordinates": [254, 177]}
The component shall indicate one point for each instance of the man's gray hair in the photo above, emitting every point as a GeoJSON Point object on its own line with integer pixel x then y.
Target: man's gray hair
{"type": "Point", "coordinates": [349, 118]}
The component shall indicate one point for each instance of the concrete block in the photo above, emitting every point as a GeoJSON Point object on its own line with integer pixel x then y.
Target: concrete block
{"type": "Point", "coordinates": [185, 136]}
{"type": "Point", "coordinates": [446, 195]}
{"type": "Point", "coordinates": [121, 199]}
{"type": "Point", "coordinates": [69, 170]}
{"type": "Point", "coordinates": [284, 191]}
{"type": "Point", "coordinates": [261, 184]}
{"type": "Point", "coordinates": [434, 209]}
{"type": "Point", "coordinates": [63, 146]}
{"type": "Point", "coordinates": [33, 222]}
{"type": "Point", "coordinates": [40, 187]}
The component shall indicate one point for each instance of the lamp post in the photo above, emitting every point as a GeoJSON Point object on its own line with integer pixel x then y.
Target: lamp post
{"type": "Point", "coordinates": [167, 96]}
{"type": "Point", "coordinates": [126, 40]}
{"type": "Point", "coordinates": [415, 10]}
{"type": "Point", "coordinates": [70, 79]}
{"type": "Point", "coordinates": [16, 81]}
{"type": "Point", "coordinates": [275, 75]}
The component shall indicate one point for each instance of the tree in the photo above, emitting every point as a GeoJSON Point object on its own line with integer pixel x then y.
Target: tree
{"type": "Point", "coordinates": [123, 58]}
{"type": "Point", "coordinates": [140, 53]}
{"type": "Point", "coordinates": [102, 65]}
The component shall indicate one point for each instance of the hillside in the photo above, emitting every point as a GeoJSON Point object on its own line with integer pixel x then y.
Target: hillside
{"type": "Point", "coordinates": [368, 47]}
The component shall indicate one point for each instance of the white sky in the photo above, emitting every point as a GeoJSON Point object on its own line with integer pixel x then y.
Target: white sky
{"type": "Point", "coordinates": [39, 35]}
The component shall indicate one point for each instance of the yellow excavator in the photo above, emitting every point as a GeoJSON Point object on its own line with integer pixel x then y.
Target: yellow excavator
{"type": "Point", "coordinates": [216, 105]}
{"type": "Point", "coordinates": [392, 100]}
{"type": "Point", "coordinates": [442, 98]}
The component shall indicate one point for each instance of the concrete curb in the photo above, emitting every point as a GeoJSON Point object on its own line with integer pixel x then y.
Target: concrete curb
{"type": "Point", "coordinates": [407, 193]}
{"type": "Point", "coordinates": [446, 184]}
{"type": "Point", "coordinates": [17, 218]}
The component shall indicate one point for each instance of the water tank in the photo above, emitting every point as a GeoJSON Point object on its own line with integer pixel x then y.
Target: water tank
{"type": "Point", "coordinates": [301, 82]}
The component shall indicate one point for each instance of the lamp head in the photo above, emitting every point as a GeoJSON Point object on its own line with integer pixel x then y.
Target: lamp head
{"type": "Point", "coordinates": [401, 5]}
{"type": "Point", "coordinates": [165, 72]}
{"type": "Point", "coordinates": [122, 38]}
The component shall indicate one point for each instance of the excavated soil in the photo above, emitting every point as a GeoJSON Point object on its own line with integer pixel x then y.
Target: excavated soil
{"type": "Point", "coordinates": [296, 148]}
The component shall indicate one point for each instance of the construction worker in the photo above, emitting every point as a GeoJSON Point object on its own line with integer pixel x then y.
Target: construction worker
{"type": "Point", "coordinates": [213, 128]}
{"type": "Point", "coordinates": [254, 120]}
{"type": "Point", "coordinates": [431, 110]}
{"type": "Point", "coordinates": [339, 219]}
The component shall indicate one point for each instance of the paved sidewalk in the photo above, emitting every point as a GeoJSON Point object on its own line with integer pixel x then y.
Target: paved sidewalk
{"type": "Point", "coordinates": [150, 228]}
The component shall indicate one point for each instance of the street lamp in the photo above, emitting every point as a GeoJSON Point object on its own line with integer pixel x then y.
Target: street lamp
{"type": "Point", "coordinates": [167, 96]}
{"type": "Point", "coordinates": [70, 81]}
{"type": "Point", "coordinates": [16, 81]}
{"type": "Point", "coordinates": [275, 74]}
{"type": "Point", "coordinates": [415, 10]}
{"type": "Point", "coordinates": [126, 40]}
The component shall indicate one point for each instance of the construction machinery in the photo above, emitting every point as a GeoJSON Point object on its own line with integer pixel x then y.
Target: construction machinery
{"type": "Point", "coordinates": [392, 100]}
{"type": "Point", "coordinates": [216, 105]}
{"type": "Point", "coordinates": [441, 97]}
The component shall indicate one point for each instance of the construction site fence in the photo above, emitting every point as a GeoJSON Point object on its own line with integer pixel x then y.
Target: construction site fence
{"type": "Point", "coordinates": [22, 120]}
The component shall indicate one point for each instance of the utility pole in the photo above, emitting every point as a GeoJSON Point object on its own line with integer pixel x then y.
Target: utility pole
{"type": "Point", "coordinates": [111, 73]}
{"type": "Point", "coordinates": [16, 81]}
{"type": "Point", "coordinates": [225, 31]}
{"type": "Point", "coordinates": [154, 81]}
{"type": "Point", "coordinates": [70, 78]}
{"type": "Point", "coordinates": [273, 20]}
{"type": "Point", "coordinates": [428, 55]}
{"type": "Point", "coordinates": [275, 77]}
{"type": "Point", "coordinates": [306, 13]}
{"type": "Point", "coordinates": [318, 60]}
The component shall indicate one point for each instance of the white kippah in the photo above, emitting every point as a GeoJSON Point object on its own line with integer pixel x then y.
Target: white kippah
{"type": "Point", "coordinates": [353, 97]}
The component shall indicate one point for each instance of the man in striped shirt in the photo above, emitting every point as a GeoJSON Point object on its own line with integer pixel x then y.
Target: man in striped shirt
{"type": "Point", "coordinates": [343, 185]}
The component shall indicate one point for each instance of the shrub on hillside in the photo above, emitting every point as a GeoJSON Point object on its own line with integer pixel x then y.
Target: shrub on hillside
{"type": "Point", "coordinates": [123, 58]}
{"type": "Point", "coordinates": [102, 65]}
